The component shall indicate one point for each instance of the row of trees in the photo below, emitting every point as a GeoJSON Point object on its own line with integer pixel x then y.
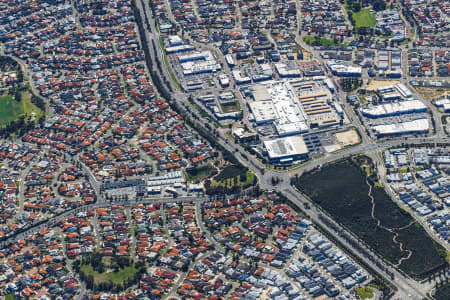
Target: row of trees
{"type": "Point", "coordinates": [356, 5]}
{"type": "Point", "coordinates": [350, 84]}
{"type": "Point", "coordinates": [19, 127]}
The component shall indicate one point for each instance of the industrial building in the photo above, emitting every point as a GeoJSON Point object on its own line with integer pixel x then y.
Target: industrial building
{"type": "Point", "coordinates": [418, 126]}
{"type": "Point", "coordinates": [287, 149]}
{"type": "Point", "coordinates": [223, 80]}
{"type": "Point", "coordinates": [180, 48]}
{"type": "Point", "coordinates": [295, 106]}
{"type": "Point", "coordinates": [443, 104]}
{"type": "Point", "coordinates": [394, 92]}
{"type": "Point", "coordinates": [175, 45]}
{"type": "Point", "coordinates": [403, 90]}
{"type": "Point", "coordinates": [230, 61]}
{"type": "Point", "coordinates": [394, 109]}
{"type": "Point", "coordinates": [171, 179]}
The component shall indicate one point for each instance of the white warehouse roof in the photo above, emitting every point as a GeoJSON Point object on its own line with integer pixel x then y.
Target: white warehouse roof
{"type": "Point", "coordinates": [286, 147]}
{"type": "Point", "coordinates": [395, 108]}
{"type": "Point", "coordinates": [415, 126]}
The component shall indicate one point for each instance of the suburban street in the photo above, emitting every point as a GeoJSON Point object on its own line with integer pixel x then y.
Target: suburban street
{"type": "Point", "coordinates": [122, 124]}
{"type": "Point", "coordinates": [407, 287]}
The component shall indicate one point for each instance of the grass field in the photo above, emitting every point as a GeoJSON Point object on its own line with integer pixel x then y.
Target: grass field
{"type": "Point", "coordinates": [364, 293]}
{"type": "Point", "coordinates": [115, 277]}
{"type": "Point", "coordinates": [341, 190]}
{"type": "Point", "coordinates": [11, 110]}
{"type": "Point", "coordinates": [313, 41]}
{"type": "Point", "coordinates": [200, 173]}
{"type": "Point", "coordinates": [364, 18]}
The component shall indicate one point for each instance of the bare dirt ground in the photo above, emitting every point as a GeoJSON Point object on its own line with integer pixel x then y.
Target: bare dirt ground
{"type": "Point", "coordinates": [430, 93]}
{"type": "Point", "coordinates": [347, 138]}
{"type": "Point", "coordinates": [375, 84]}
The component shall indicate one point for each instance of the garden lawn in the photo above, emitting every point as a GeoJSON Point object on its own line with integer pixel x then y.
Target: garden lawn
{"type": "Point", "coordinates": [364, 293]}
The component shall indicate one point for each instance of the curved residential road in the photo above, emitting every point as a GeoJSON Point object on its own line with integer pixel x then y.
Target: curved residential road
{"type": "Point", "coordinates": [407, 287]}
{"type": "Point", "coordinates": [70, 213]}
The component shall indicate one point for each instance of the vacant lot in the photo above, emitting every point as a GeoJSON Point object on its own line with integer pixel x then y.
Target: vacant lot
{"type": "Point", "coordinates": [341, 190]}
{"type": "Point", "coordinates": [375, 84]}
{"type": "Point", "coordinates": [349, 137]}
{"type": "Point", "coordinates": [431, 93]}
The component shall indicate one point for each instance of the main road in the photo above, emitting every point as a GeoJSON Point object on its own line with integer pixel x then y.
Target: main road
{"type": "Point", "coordinates": [407, 287]}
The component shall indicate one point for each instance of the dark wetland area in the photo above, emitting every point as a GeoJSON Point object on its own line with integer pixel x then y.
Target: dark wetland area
{"type": "Point", "coordinates": [348, 191]}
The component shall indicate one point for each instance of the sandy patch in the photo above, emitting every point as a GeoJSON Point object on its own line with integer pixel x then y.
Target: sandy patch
{"type": "Point", "coordinates": [375, 84]}
{"type": "Point", "coordinates": [347, 138]}
{"type": "Point", "coordinates": [431, 93]}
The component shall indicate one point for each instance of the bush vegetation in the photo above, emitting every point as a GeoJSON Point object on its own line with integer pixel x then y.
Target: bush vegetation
{"type": "Point", "coordinates": [342, 191]}
{"type": "Point", "coordinates": [197, 174]}
{"type": "Point", "coordinates": [442, 291]}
